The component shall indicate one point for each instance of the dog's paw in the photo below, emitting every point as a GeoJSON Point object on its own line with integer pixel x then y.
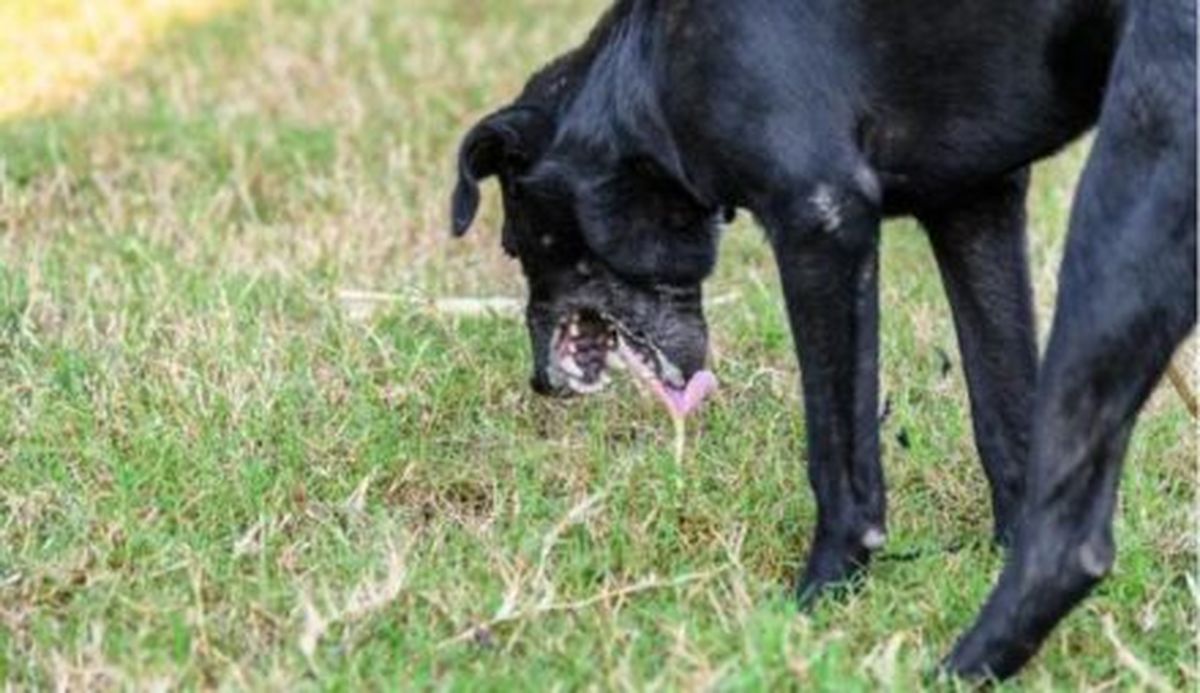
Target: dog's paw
{"type": "Point", "coordinates": [831, 573]}
{"type": "Point", "coordinates": [987, 653]}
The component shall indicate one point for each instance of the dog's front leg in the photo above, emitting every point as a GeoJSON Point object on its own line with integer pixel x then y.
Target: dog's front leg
{"type": "Point", "coordinates": [979, 242]}
{"type": "Point", "coordinates": [827, 252]}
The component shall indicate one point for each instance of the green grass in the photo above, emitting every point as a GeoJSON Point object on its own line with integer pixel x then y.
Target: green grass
{"type": "Point", "coordinates": [214, 474]}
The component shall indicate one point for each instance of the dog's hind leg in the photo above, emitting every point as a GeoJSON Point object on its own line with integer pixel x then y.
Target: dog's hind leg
{"type": "Point", "coordinates": [980, 248]}
{"type": "Point", "coordinates": [1127, 298]}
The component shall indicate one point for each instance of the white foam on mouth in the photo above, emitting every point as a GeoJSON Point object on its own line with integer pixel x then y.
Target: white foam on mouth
{"type": "Point", "coordinates": [637, 364]}
{"type": "Point", "coordinates": [582, 387]}
{"type": "Point", "coordinates": [679, 401]}
{"type": "Point", "coordinates": [652, 371]}
{"type": "Point", "coordinates": [569, 366]}
{"type": "Point", "coordinates": [566, 367]}
{"type": "Point", "coordinates": [625, 352]}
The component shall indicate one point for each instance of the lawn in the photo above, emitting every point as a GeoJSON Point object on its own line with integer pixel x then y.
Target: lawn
{"type": "Point", "coordinates": [218, 470]}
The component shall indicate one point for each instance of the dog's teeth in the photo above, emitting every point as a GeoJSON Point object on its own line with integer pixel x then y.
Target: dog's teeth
{"type": "Point", "coordinates": [571, 368]}
{"type": "Point", "coordinates": [585, 388]}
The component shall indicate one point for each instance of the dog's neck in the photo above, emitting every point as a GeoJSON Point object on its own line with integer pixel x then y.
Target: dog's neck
{"type": "Point", "coordinates": [554, 87]}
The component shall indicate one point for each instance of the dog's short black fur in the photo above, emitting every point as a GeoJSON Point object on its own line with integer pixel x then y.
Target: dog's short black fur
{"type": "Point", "coordinates": [620, 159]}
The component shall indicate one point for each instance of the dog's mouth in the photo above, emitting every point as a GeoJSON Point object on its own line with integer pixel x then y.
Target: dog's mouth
{"type": "Point", "coordinates": [587, 345]}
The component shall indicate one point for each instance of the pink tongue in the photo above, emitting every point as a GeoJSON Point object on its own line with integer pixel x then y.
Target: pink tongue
{"type": "Point", "coordinates": [681, 403]}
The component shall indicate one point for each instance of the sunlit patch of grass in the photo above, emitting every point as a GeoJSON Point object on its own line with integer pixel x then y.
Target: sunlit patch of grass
{"type": "Point", "coordinates": [54, 51]}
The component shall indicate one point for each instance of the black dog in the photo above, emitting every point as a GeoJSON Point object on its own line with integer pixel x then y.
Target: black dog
{"type": "Point", "coordinates": [620, 159]}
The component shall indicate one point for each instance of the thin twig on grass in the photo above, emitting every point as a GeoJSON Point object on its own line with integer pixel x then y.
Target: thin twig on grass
{"type": "Point", "coordinates": [574, 516]}
{"type": "Point", "coordinates": [363, 302]}
{"type": "Point", "coordinates": [644, 585]}
{"type": "Point", "coordinates": [1184, 388]}
{"type": "Point", "coordinates": [369, 597]}
{"type": "Point", "coordinates": [512, 596]}
{"type": "Point", "coordinates": [510, 611]}
{"type": "Point", "coordinates": [1147, 676]}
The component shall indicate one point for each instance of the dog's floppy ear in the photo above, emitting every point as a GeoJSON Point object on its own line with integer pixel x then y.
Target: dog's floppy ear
{"type": "Point", "coordinates": [513, 137]}
{"type": "Point", "coordinates": [649, 225]}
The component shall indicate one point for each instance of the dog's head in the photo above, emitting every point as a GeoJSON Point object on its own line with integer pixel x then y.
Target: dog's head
{"type": "Point", "coordinates": [614, 250]}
